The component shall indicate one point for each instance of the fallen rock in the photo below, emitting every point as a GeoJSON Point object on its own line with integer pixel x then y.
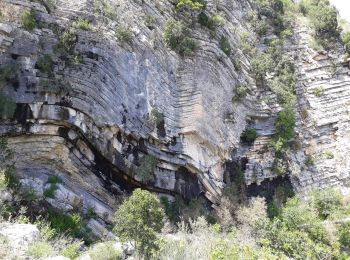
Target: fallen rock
{"type": "Point", "coordinates": [19, 236]}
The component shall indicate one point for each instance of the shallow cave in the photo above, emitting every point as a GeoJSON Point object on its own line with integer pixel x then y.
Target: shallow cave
{"type": "Point", "coordinates": [268, 187]}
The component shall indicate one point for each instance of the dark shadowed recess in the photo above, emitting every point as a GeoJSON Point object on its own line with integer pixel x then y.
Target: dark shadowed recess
{"type": "Point", "coordinates": [187, 183]}
{"type": "Point", "coordinates": [268, 187]}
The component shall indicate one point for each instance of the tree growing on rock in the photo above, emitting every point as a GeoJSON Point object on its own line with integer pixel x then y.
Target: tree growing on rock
{"type": "Point", "coordinates": [139, 219]}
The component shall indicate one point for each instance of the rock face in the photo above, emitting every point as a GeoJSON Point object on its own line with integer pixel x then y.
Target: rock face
{"type": "Point", "coordinates": [18, 237]}
{"type": "Point", "coordinates": [323, 125]}
{"type": "Point", "coordinates": [96, 135]}
{"type": "Point", "coordinates": [85, 117]}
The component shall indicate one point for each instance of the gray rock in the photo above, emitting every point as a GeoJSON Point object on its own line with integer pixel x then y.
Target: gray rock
{"type": "Point", "coordinates": [19, 236]}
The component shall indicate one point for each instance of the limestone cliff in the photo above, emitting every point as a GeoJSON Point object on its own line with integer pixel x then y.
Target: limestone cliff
{"type": "Point", "coordinates": [89, 118]}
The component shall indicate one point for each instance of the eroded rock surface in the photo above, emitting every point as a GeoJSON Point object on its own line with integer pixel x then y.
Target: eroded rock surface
{"type": "Point", "coordinates": [94, 134]}
{"type": "Point", "coordinates": [17, 238]}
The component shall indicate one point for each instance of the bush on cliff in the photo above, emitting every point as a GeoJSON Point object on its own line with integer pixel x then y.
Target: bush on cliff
{"type": "Point", "coordinates": [146, 169]}
{"type": "Point", "coordinates": [29, 20]}
{"type": "Point", "coordinates": [7, 107]}
{"type": "Point", "coordinates": [8, 74]}
{"type": "Point", "coordinates": [249, 136]}
{"type": "Point", "coordinates": [346, 40]}
{"type": "Point", "coordinates": [324, 19]}
{"type": "Point", "coordinates": [178, 38]}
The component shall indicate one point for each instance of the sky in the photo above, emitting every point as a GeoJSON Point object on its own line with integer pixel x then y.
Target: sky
{"type": "Point", "coordinates": [344, 8]}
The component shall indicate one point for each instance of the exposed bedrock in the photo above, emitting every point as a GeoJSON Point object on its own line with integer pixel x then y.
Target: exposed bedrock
{"type": "Point", "coordinates": [95, 133]}
{"type": "Point", "coordinates": [99, 131]}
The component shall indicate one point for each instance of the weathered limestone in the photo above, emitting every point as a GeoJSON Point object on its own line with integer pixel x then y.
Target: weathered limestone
{"type": "Point", "coordinates": [94, 137]}
{"type": "Point", "coordinates": [323, 126]}
{"type": "Point", "coordinates": [18, 237]}
{"type": "Point", "coordinates": [113, 92]}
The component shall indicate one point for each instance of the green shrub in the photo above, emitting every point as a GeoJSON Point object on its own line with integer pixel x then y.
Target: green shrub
{"type": "Point", "coordinates": [285, 123]}
{"type": "Point", "coordinates": [3, 181]}
{"type": "Point", "coordinates": [64, 223]}
{"type": "Point", "coordinates": [53, 179]}
{"type": "Point", "coordinates": [106, 251]}
{"type": "Point", "coordinates": [7, 169]}
{"type": "Point", "coordinates": [8, 74]}
{"type": "Point", "coordinates": [66, 45]}
{"type": "Point", "coordinates": [29, 20]}
{"type": "Point", "coordinates": [309, 161]}
{"type": "Point", "coordinates": [146, 169]}
{"type": "Point", "coordinates": [225, 45]}
{"type": "Point", "coordinates": [171, 209]}
{"type": "Point", "coordinates": [71, 251]}
{"type": "Point", "coordinates": [316, 44]}
{"type": "Point", "coordinates": [283, 193]}
{"type": "Point", "coordinates": [106, 8]}
{"type": "Point", "coordinates": [57, 86]}
{"type": "Point", "coordinates": [157, 117]}
{"type": "Point", "coordinates": [64, 87]}
{"type": "Point", "coordinates": [298, 215]}
{"type": "Point", "coordinates": [150, 21]}
{"type": "Point", "coordinates": [327, 201]}
{"type": "Point", "coordinates": [124, 34]}
{"type": "Point", "coordinates": [46, 231]}
{"type": "Point", "coordinates": [346, 40]}
{"type": "Point", "coordinates": [82, 24]}
{"type": "Point", "coordinates": [139, 219]}
{"type": "Point", "coordinates": [261, 63]}
{"type": "Point", "coordinates": [8, 179]}
{"type": "Point", "coordinates": [7, 107]}
{"type": "Point", "coordinates": [210, 22]}
{"type": "Point", "coordinates": [218, 20]}
{"type": "Point", "coordinates": [203, 19]}
{"type": "Point", "coordinates": [237, 64]}
{"type": "Point", "coordinates": [41, 249]}
{"type": "Point", "coordinates": [223, 250]}
{"type": "Point", "coordinates": [50, 192]}
{"type": "Point", "coordinates": [249, 135]}
{"type": "Point", "coordinates": [284, 82]}
{"type": "Point", "coordinates": [324, 20]}
{"type": "Point", "coordinates": [259, 25]}
{"type": "Point", "coordinates": [46, 65]}
{"type": "Point", "coordinates": [279, 166]}
{"type": "Point", "coordinates": [178, 38]}
{"type": "Point", "coordinates": [328, 155]}
{"type": "Point", "coordinates": [318, 91]}
{"type": "Point", "coordinates": [241, 91]}
{"type": "Point", "coordinates": [91, 213]}
{"type": "Point", "coordinates": [294, 243]}
{"type": "Point", "coordinates": [190, 4]}
{"type": "Point", "coordinates": [344, 234]}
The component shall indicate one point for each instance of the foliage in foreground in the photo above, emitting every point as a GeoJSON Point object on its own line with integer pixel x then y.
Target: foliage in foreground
{"type": "Point", "coordinates": [299, 231]}
{"type": "Point", "coordinates": [139, 219]}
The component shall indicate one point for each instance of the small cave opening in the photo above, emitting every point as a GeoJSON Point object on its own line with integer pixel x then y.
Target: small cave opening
{"type": "Point", "coordinates": [268, 188]}
{"type": "Point", "coordinates": [22, 113]}
{"type": "Point", "coordinates": [234, 175]}
{"type": "Point", "coordinates": [161, 129]}
{"type": "Point", "coordinates": [187, 183]}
